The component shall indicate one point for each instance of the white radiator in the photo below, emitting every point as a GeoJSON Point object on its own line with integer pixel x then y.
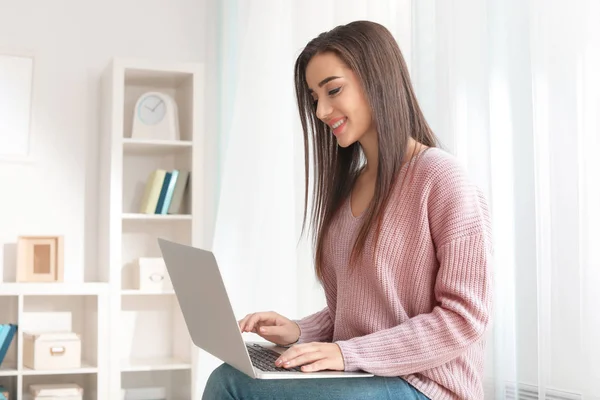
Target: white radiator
{"type": "Point", "coordinates": [530, 392]}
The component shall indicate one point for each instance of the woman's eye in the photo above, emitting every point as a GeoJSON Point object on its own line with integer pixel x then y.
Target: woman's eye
{"type": "Point", "coordinates": [334, 91]}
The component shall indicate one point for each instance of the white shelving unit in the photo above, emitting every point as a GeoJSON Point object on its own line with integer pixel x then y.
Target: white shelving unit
{"type": "Point", "coordinates": [38, 307]}
{"type": "Point", "coordinates": [129, 338]}
{"type": "Point", "coordinates": [149, 344]}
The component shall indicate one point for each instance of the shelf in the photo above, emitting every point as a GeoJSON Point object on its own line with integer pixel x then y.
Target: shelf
{"type": "Point", "coordinates": [139, 72]}
{"type": "Point", "coordinates": [169, 345]}
{"type": "Point", "coordinates": [153, 146]}
{"type": "Point", "coordinates": [86, 368]}
{"type": "Point", "coordinates": [132, 356]}
{"type": "Point", "coordinates": [49, 289]}
{"type": "Point", "coordinates": [156, 217]}
{"type": "Point", "coordinates": [155, 364]}
{"type": "Point", "coordinates": [176, 382]}
{"type": "Point", "coordinates": [136, 292]}
{"type": "Point", "coordinates": [10, 370]}
{"type": "Point", "coordinates": [81, 314]}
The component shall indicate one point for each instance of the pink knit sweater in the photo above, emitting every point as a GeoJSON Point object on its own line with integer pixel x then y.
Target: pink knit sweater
{"type": "Point", "coordinates": [421, 309]}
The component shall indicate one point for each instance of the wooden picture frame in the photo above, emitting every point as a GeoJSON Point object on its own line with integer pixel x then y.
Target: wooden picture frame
{"type": "Point", "coordinates": [40, 259]}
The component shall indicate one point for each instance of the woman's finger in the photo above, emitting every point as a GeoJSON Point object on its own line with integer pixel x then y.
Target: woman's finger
{"type": "Point", "coordinates": [251, 322]}
{"type": "Point", "coordinates": [242, 323]}
{"type": "Point", "coordinates": [254, 318]}
{"type": "Point", "coordinates": [258, 325]}
{"type": "Point", "coordinates": [304, 358]}
{"type": "Point", "coordinates": [296, 351]}
{"type": "Point", "coordinates": [319, 365]}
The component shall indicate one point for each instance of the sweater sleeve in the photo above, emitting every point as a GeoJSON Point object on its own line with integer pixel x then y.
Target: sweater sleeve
{"type": "Point", "coordinates": [317, 327]}
{"type": "Point", "coordinates": [461, 233]}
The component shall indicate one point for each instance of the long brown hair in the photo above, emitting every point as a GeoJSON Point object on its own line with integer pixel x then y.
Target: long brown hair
{"type": "Point", "coordinates": [371, 52]}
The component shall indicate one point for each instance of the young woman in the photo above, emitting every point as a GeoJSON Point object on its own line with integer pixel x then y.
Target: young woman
{"type": "Point", "coordinates": [402, 240]}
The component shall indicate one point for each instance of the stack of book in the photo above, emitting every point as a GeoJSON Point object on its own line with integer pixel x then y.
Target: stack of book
{"type": "Point", "coordinates": [164, 192]}
{"type": "Point", "coordinates": [7, 333]}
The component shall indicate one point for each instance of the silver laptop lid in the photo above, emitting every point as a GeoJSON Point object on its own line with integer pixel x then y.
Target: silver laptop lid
{"type": "Point", "coordinates": [204, 303]}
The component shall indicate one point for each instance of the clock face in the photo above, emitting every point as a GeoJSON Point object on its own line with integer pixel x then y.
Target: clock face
{"type": "Point", "coordinates": [152, 110]}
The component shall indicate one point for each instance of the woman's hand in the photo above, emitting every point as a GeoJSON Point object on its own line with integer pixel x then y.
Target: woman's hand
{"type": "Point", "coordinates": [271, 326]}
{"type": "Point", "coordinates": [313, 357]}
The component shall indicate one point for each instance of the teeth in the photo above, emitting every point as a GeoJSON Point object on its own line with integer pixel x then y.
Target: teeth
{"type": "Point", "coordinates": [339, 123]}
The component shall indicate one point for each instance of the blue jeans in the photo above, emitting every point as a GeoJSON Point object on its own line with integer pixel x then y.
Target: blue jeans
{"type": "Point", "coordinates": [227, 383]}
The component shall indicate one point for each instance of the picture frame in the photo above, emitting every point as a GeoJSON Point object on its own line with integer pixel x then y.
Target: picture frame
{"type": "Point", "coordinates": [40, 259]}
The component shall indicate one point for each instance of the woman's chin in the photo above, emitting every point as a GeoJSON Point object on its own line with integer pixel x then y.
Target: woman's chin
{"type": "Point", "coordinates": [344, 142]}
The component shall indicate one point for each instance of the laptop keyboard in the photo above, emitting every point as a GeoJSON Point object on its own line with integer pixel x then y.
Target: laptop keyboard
{"type": "Point", "coordinates": [264, 359]}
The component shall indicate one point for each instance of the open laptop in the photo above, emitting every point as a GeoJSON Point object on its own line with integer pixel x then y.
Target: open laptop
{"type": "Point", "coordinates": [211, 321]}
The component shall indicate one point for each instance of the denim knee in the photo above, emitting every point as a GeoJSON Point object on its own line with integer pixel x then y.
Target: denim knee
{"type": "Point", "coordinates": [219, 383]}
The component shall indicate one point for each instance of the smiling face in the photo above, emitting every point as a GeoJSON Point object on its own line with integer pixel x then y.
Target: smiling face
{"type": "Point", "coordinates": [340, 99]}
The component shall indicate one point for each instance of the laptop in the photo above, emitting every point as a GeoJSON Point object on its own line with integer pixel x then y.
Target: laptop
{"type": "Point", "coordinates": [211, 322]}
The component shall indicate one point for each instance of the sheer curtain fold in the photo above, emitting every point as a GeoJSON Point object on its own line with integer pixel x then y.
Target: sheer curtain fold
{"type": "Point", "coordinates": [540, 165]}
{"type": "Point", "coordinates": [260, 136]}
{"type": "Point", "coordinates": [588, 135]}
{"type": "Point", "coordinates": [261, 158]}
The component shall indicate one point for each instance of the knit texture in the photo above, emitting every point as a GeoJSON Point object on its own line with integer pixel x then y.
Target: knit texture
{"type": "Point", "coordinates": [418, 307]}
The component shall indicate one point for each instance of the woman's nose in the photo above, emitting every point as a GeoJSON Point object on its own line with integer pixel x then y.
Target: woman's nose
{"type": "Point", "coordinates": [324, 110]}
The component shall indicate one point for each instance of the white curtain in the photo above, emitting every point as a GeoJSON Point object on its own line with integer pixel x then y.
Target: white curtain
{"type": "Point", "coordinates": [512, 88]}
{"type": "Point", "coordinates": [265, 263]}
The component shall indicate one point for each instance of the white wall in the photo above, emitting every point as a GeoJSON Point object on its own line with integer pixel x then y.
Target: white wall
{"type": "Point", "coordinates": [72, 41]}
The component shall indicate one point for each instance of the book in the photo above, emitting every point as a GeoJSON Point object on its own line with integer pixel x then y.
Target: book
{"type": "Point", "coordinates": [4, 329]}
{"type": "Point", "coordinates": [152, 191]}
{"type": "Point", "coordinates": [6, 336]}
{"type": "Point", "coordinates": [170, 190]}
{"type": "Point", "coordinates": [163, 193]}
{"type": "Point", "coordinates": [178, 192]}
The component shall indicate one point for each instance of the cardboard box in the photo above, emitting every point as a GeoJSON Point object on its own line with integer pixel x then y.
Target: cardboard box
{"type": "Point", "coordinates": [51, 350]}
{"type": "Point", "coordinates": [154, 393]}
{"type": "Point", "coordinates": [151, 275]}
{"type": "Point", "coordinates": [56, 391]}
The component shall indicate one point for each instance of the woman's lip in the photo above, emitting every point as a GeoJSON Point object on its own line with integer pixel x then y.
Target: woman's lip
{"type": "Point", "coordinates": [333, 121]}
{"type": "Point", "coordinates": [340, 128]}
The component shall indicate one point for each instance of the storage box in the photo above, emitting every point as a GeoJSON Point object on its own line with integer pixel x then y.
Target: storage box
{"type": "Point", "coordinates": [146, 393]}
{"type": "Point", "coordinates": [51, 350]}
{"type": "Point", "coordinates": [151, 275]}
{"type": "Point", "coordinates": [56, 391]}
